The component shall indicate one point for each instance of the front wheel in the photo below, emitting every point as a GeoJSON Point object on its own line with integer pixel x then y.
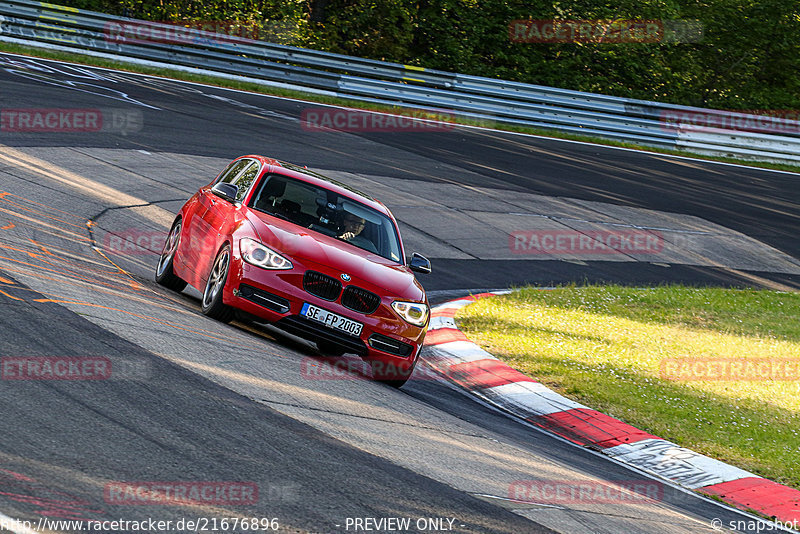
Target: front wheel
{"type": "Point", "coordinates": [391, 374]}
{"type": "Point", "coordinates": [165, 274]}
{"type": "Point", "coordinates": [212, 304]}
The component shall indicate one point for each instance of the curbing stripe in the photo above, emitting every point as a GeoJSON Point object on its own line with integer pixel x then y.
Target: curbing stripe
{"type": "Point", "coordinates": [686, 467]}
{"type": "Point", "coordinates": [591, 428]}
{"type": "Point", "coordinates": [487, 373]}
{"type": "Point", "coordinates": [444, 335]}
{"type": "Point", "coordinates": [457, 304]}
{"type": "Point", "coordinates": [760, 494]}
{"type": "Point", "coordinates": [442, 321]}
{"type": "Point", "coordinates": [444, 312]}
{"type": "Point", "coordinates": [456, 352]}
{"type": "Point", "coordinates": [527, 399]}
{"type": "Point", "coordinates": [452, 355]}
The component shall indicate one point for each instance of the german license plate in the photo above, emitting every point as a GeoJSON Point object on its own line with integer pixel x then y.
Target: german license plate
{"type": "Point", "coordinates": [333, 320]}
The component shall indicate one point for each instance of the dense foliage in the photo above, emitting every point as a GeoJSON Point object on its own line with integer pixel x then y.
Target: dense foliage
{"type": "Point", "coordinates": [748, 57]}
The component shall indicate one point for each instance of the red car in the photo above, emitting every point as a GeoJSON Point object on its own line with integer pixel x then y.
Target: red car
{"type": "Point", "coordinates": [285, 245]}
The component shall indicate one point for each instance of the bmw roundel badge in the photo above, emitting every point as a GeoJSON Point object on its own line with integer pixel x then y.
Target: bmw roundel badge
{"type": "Point", "coordinates": [345, 277]}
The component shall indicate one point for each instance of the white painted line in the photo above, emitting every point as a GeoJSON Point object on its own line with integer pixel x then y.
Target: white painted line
{"type": "Point", "coordinates": [509, 503]}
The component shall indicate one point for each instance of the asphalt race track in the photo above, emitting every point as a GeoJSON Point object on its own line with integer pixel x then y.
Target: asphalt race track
{"type": "Point", "coordinates": [192, 401]}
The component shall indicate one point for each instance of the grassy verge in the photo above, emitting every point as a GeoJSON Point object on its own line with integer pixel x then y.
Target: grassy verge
{"type": "Point", "coordinates": [257, 88]}
{"type": "Point", "coordinates": [613, 348]}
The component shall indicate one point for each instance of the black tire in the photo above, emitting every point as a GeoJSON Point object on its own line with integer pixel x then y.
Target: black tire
{"type": "Point", "coordinates": [212, 305]}
{"type": "Point", "coordinates": [394, 378]}
{"type": "Point", "coordinates": [326, 348]}
{"type": "Point", "coordinates": [165, 275]}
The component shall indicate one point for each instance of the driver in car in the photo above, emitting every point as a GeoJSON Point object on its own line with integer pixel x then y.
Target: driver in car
{"type": "Point", "coordinates": [353, 225]}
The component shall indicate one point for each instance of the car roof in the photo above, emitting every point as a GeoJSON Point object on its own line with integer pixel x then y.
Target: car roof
{"type": "Point", "coordinates": [305, 174]}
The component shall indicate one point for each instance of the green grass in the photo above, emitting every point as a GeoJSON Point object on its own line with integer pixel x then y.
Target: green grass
{"type": "Point", "coordinates": [604, 346]}
{"type": "Point", "coordinates": [263, 89]}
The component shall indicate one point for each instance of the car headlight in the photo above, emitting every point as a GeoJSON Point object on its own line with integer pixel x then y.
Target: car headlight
{"type": "Point", "coordinates": [411, 312]}
{"type": "Point", "coordinates": [259, 255]}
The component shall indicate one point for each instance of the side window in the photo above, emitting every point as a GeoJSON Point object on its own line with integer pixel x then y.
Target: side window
{"type": "Point", "coordinates": [272, 189]}
{"type": "Point", "coordinates": [233, 169]}
{"type": "Point", "coordinates": [246, 179]}
{"type": "Point", "coordinates": [303, 197]}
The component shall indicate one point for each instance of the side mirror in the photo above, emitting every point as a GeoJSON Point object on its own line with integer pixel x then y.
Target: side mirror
{"type": "Point", "coordinates": [420, 264]}
{"type": "Point", "coordinates": [226, 191]}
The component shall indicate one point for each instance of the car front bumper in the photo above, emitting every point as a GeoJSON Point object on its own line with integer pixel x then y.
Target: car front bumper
{"type": "Point", "coordinates": [388, 341]}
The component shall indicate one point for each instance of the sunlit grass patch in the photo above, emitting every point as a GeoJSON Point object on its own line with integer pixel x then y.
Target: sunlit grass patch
{"type": "Point", "coordinates": [606, 346]}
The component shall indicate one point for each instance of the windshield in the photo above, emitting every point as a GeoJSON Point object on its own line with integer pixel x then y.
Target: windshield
{"type": "Point", "coordinates": [327, 212]}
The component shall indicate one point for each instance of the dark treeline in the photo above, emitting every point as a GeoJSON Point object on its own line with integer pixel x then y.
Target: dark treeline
{"type": "Point", "coordinates": [748, 56]}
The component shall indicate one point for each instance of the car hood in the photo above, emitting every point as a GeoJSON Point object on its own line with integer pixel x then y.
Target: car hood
{"type": "Point", "coordinates": [311, 247]}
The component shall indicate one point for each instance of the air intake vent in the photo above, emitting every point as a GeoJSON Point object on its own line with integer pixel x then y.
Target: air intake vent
{"type": "Point", "coordinates": [390, 345]}
{"type": "Point", "coordinates": [360, 300]}
{"type": "Point", "coordinates": [321, 285]}
{"type": "Point", "coordinates": [262, 298]}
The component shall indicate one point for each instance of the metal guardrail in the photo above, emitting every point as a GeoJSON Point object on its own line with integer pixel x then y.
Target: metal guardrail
{"type": "Point", "coordinates": [483, 99]}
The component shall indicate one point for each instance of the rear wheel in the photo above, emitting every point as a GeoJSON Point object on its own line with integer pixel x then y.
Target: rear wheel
{"type": "Point", "coordinates": [165, 274]}
{"type": "Point", "coordinates": [212, 304]}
